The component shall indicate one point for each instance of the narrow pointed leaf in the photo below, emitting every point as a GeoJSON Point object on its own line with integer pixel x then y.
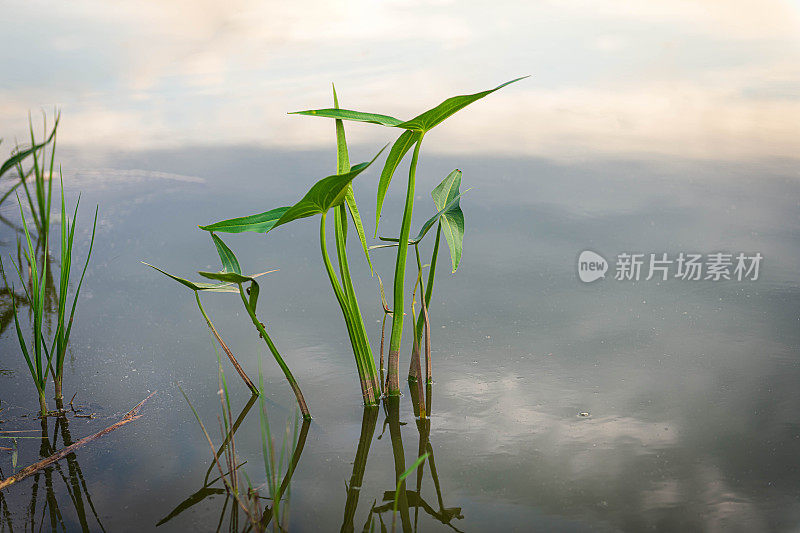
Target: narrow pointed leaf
{"type": "Point", "coordinates": [342, 166]}
{"type": "Point", "coordinates": [354, 214]}
{"type": "Point", "coordinates": [347, 114]}
{"type": "Point", "coordinates": [21, 155]}
{"type": "Point", "coordinates": [432, 117]}
{"type": "Point", "coordinates": [226, 256]}
{"type": "Point", "coordinates": [260, 223]}
{"type": "Point", "coordinates": [198, 286]}
{"type": "Point", "coordinates": [326, 193]}
{"type": "Point", "coordinates": [230, 277]}
{"type": "Point", "coordinates": [399, 149]}
{"type": "Point", "coordinates": [342, 155]}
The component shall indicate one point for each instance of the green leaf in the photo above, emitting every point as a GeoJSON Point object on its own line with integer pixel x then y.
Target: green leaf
{"type": "Point", "coordinates": [226, 256]}
{"type": "Point", "coordinates": [230, 277]}
{"type": "Point", "coordinates": [254, 290]}
{"type": "Point", "coordinates": [342, 166]}
{"type": "Point", "coordinates": [342, 156]}
{"type": "Point", "coordinates": [451, 209]}
{"type": "Point", "coordinates": [198, 286]}
{"type": "Point", "coordinates": [452, 219]}
{"type": "Point", "coordinates": [21, 155]}
{"type": "Point", "coordinates": [432, 117]}
{"type": "Point", "coordinates": [260, 223]}
{"type": "Point", "coordinates": [326, 193]}
{"type": "Point", "coordinates": [351, 204]}
{"type": "Point", "coordinates": [447, 190]}
{"type": "Point", "coordinates": [399, 149]}
{"type": "Point", "coordinates": [347, 114]}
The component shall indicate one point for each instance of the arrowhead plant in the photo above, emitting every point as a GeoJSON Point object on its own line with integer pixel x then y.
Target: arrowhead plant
{"type": "Point", "coordinates": [415, 130]}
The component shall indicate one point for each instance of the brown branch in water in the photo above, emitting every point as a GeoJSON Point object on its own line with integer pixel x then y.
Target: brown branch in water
{"type": "Point", "coordinates": [130, 416]}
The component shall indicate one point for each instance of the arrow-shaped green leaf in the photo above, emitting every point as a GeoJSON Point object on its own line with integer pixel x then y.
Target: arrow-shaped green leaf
{"type": "Point", "coordinates": [198, 286]}
{"type": "Point", "coordinates": [326, 193]}
{"type": "Point", "coordinates": [226, 256]}
{"type": "Point", "coordinates": [427, 120]}
{"type": "Point", "coordinates": [260, 223]}
{"type": "Point", "coordinates": [452, 219]}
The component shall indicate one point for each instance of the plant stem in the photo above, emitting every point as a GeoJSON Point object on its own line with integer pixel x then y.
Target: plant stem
{"type": "Point", "coordinates": [367, 391]}
{"type": "Point", "coordinates": [225, 348]}
{"type": "Point", "coordinates": [286, 372]}
{"type": "Point", "coordinates": [349, 293]}
{"type": "Point", "coordinates": [42, 402]}
{"type": "Point", "coordinates": [393, 388]}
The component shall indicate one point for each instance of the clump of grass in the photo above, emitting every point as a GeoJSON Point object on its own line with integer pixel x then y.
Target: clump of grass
{"type": "Point", "coordinates": [42, 360]}
{"type": "Point", "coordinates": [64, 323]}
{"type": "Point", "coordinates": [39, 360]}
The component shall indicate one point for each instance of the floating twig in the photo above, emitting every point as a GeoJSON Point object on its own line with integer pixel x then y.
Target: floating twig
{"type": "Point", "coordinates": [130, 416]}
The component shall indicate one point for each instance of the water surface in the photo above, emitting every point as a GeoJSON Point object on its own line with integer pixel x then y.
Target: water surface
{"type": "Point", "coordinates": [690, 387]}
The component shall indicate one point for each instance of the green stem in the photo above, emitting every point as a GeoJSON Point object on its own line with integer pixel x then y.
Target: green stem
{"type": "Point", "coordinates": [357, 320]}
{"type": "Point", "coordinates": [369, 398]}
{"type": "Point", "coordinates": [399, 279]}
{"type": "Point", "coordinates": [286, 372]}
{"type": "Point", "coordinates": [428, 292]}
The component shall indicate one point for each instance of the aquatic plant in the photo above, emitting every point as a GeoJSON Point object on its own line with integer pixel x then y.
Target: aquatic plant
{"type": "Point", "coordinates": [232, 280]}
{"type": "Point", "coordinates": [42, 360]}
{"type": "Point", "coordinates": [331, 193]}
{"type": "Point", "coordinates": [415, 130]}
{"type": "Point", "coordinates": [197, 287]}
{"type": "Point", "coordinates": [63, 324]}
{"type": "Point", "coordinates": [336, 192]}
{"type": "Point", "coordinates": [449, 219]}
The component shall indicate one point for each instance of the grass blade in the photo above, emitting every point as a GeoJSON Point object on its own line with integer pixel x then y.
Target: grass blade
{"type": "Point", "coordinates": [20, 156]}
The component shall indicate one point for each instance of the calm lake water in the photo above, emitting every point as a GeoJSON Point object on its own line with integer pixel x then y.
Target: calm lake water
{"type": "Point", "coordinates": [690, 386]}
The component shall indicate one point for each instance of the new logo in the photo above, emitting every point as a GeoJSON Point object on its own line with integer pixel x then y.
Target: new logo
{"type": "Point", "coordinates": [591, 266]}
